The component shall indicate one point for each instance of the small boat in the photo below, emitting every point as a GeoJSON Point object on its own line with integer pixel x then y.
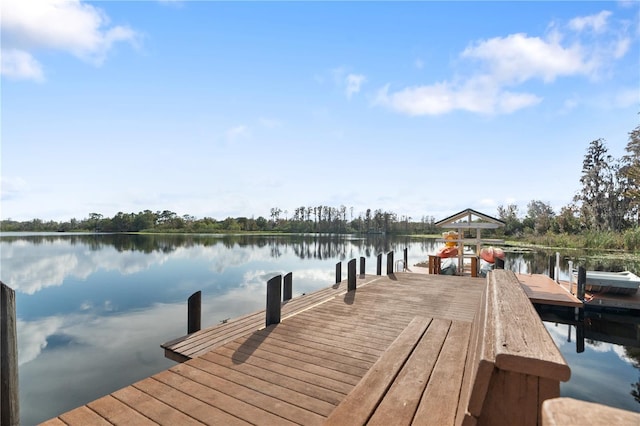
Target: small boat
{"type": "Point", "coordinates": [611, 282]}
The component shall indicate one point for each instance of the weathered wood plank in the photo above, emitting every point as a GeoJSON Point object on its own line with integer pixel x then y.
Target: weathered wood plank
{"type": "Point", "coordinates": [446, 379]}
{"type": "Point", "coordinates": [269, 404]}
{"type": "Point", "coordinates": [282, 369]}
{"type": "Point", "coordinates": [200, 384]}
{"type": "Point", "coordinates": [152, 407]}
{"type": "Point", "coordinates": [305, 396]}
{"type": "Point", "coordinates": [522, 345]}
{"type": "Point", "coordinates": [402, 398]}
{"type": "Point", "coordinates": [53, 422]}
{"type": "Point", "coordinates": [83, 416]}
{"type": "Point", "coordinates": [182, 401]}
{"type": "Point", "coordinates": [358, 406]}
{"type": "Point", "coordinates": [569, 411]}
{"type": "Point", "coordinates": [299, 356]}
{"type": "Point", "coordinates": [257, 351]}
{"type": "Point", "coordinates": [117, 413]}
{"type": "Point", "coordinates": [305, 388]}
{"type": "Point", "coordinates": [308, 341]}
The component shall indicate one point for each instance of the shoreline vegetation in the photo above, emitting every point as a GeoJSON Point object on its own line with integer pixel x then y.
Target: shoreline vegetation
{"type": "Point", "coordinates": [619, 244]}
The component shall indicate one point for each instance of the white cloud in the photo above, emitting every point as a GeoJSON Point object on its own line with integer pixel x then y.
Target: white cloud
{"type": "Point", "coordinates": [65, 25]}
{"type": "Point", "coordinates": [351, 82]}
{"type": "Point", "coordinates": [354, 81]}
{"type": "Point", "coordinates": [503, 63]}
{"type": "Point", "coordinates": [517, 58]}
{"type": "Point", "coordinates": [237, 132]}
{"type": "Point", "coordinates": [478, 96]}
{"type": "Point", "coordinates": [20, 65]}
{"type": "Point", "coordinates": [597, 23]}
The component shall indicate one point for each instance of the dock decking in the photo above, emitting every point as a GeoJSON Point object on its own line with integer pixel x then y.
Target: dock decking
{"type": "Point", "coordinates": [297, 371]}
{"type": "Point", "coordinates": [543, 290]}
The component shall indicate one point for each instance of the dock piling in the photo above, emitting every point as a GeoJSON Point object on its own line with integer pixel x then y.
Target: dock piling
{"type": "Point", "coordinates": [362, 262]}
{"type": "Point", "coordinates": [406, 258]}
{"type": "Point", "coordinates": [499, 264]}
{"type": "Point", "coordinates": [194, 312]}
{"type": "Point", "coordinates": [390, 263]}
{"type": "Point", "coordinates": [582, 282]}
{"type": "Point", "coordinates": [379, 265]}
{"type": "Point", "coordinates": [287, 287]}
{"type": "Point", "coordinates": [9, 400]}
{"type": "Point", "coordinates": [338, 272]}
{"type": "Point", "coordinates": [274, 296]}
{"type": "Point", "coordinates": [351, 283]}
{"type": "Point", "coordinates": [552, 267]}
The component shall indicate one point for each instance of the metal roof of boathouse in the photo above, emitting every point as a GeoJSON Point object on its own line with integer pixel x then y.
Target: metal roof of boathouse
{"type": "Point", "coordinates": [470, 219]}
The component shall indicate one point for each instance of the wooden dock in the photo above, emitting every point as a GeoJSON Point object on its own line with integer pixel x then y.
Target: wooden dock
{"type": "Point", "coordinates": [543, 290]}
{"type": "Point", "coordinates": [403, 334]}
{"type": "Point", "coordinates": [295, 372]}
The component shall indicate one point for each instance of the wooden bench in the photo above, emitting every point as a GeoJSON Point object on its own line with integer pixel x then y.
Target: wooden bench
{"type": "Point", "coordinates": [497, 370]}
{"type": "Point", "coordinates": [564, 411]}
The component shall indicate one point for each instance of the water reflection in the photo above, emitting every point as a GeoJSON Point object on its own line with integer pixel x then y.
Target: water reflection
{"type": "Point", "coordinates": [93, 309]}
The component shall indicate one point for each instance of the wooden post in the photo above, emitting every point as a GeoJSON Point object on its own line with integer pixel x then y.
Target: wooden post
{"type": "Point", "coordinates": [194, 312]}
{"type": "Point", "coordinates": [552, 267]}
{"type": "Point", "coordinates": [362, 262]}
{"type": "Point", "coordinates": [351, 284]}
{"type": "Point", "coordinates": [390, 263]}
{"type": "Point", "coordinates": [379, 265]}
{"type": "Point", "coordinates": [499, 264]}
{"type": "Point", "coordinates": [274, 296]}
{"type": "Point", "coordinates": [406, 258]}
{"type": "Point", "coordinates": [9, 400]}
{"type": "Point", "coordinates": [474, 266]}
{"type": "Point", "coordinates": [582, 282]}
{"type": "Point", "coordinates": [580, 337]}
{"type": "Point", "coordinates": [287, 287]}
{"type": "Point", "coordinates": [338, 272]}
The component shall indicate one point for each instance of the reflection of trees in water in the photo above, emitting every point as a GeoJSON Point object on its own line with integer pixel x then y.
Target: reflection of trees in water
{"type": "Point", "coordinates": [634, 355]}
{"type": "Point", "coordinates": [537, 262]}
{"type": "Point", "coordinates": [325, 246]}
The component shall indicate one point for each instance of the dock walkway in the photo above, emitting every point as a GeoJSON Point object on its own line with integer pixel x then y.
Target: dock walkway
{"type": "Point", "coordinates": [297, 371]}
{"type": "Point", "coordinates": [543, 290]}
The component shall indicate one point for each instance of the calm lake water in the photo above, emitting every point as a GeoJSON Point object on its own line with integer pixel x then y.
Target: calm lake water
{"type": "Point", "coordinates": [93, 309]}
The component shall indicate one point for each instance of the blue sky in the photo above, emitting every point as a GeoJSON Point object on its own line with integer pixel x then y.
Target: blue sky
{"type": "Point", "coordinates": [228, 109]}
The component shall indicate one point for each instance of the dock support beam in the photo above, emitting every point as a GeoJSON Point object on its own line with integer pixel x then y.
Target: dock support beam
{"type": "Point", "coordinates": [338, 272]}
{"type": "Point", "coordinates": [390, 263]}
{"type": "Point", "coordinates": [287, 287]}
{"type": "Point", "coordinates": [362, 262]}
{"type": "Point", "coordinates": [406, 258]}
{"type": "Point", "coordinates": [552, 267]}
{"type": "Point", "coordinates": [9, 400]}
{"type": "Point", "coordinates": [582, 282]}
{"type": "Point", "coordinates": [274, 297]}
{"type": "Point", "coordinates": [379, 265]}
{"type": "Point", "coordinates": [351, 285]}
{"type": "Point", "coordinates": [194, 312]}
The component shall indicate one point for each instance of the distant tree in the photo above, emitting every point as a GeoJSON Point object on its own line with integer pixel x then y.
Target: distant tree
{"type": "Point", "coordinates": [539, 217]}
{"type": "Point", "coordinates": [631, 171]}
{"type": "Point", "coordinates": [567, 220]}
{"type": "Point", "coordinates": [603, 201]}
{"type": "Point", "coordinates": [509, 215]}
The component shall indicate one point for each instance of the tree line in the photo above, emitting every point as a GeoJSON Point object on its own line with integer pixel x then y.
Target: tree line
{"type": "Point", "coordinates": [608, 202]}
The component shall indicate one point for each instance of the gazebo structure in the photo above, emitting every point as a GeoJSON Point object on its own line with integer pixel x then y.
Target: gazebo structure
{"type": "Point", "coordinates": [467, 221]}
